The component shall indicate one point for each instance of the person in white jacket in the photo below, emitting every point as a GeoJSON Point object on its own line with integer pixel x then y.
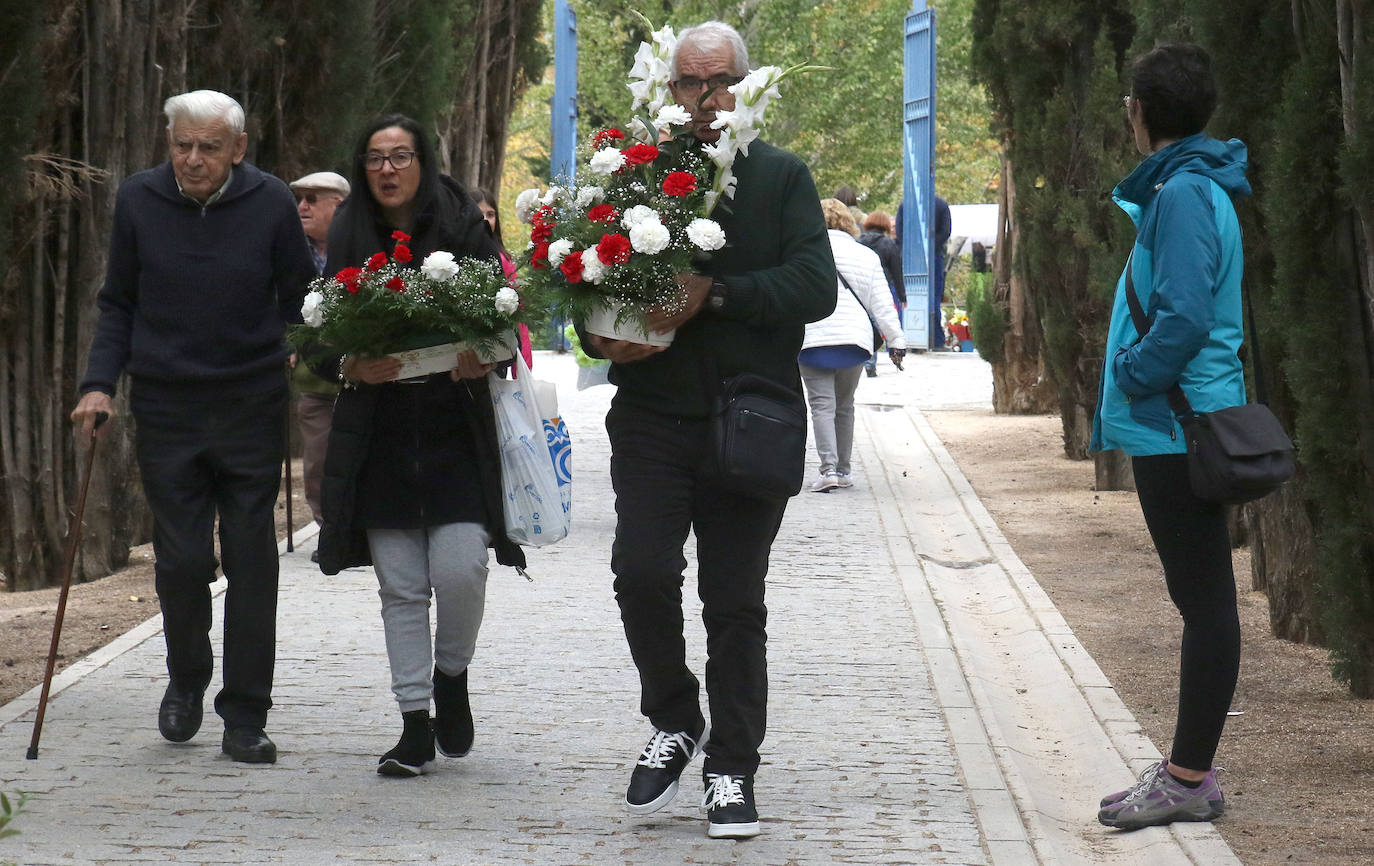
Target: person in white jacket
{"type": "Point", "coordinates": [836, 347]}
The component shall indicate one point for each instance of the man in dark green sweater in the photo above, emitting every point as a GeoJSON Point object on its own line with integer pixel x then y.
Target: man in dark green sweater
{"type": "Point", "coordinates": [746, 314]}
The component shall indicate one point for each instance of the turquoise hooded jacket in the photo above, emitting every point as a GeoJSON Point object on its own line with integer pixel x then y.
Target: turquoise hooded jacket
{"type": "Point", "coordinates": [1186, 266]}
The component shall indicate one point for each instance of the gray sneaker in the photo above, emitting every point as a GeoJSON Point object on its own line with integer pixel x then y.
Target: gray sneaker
{"type": "Point", "coordinates": [1158, 798]}
{"type": "Point", "coordinates": [1145, 776]}
{"type": "Point", "coordinates": [826, 483]}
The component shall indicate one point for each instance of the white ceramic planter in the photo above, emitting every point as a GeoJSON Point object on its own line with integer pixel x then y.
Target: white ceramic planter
{"type": "Point", "coordinates": [437, 359]}
{"type": "Point", "coordinates": [602, 323]}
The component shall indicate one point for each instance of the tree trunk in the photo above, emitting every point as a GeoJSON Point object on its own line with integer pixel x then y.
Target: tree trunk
{"type": "Point", "coordinates": [1112, 471]}
{"type": "Point", "coordinates": [1283, 566]}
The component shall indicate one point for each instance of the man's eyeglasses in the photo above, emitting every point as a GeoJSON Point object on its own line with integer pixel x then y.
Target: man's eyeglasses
{"type": "Point", "coordinates": [400, 160]}
{"type": "Point", "coordinates": [691, 84]}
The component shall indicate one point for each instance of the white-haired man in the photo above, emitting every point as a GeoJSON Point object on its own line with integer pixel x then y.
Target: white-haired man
{"type": "Point", "coordinates": [746, 313]}
{"type": "Point", "coordinates": [207, 264]}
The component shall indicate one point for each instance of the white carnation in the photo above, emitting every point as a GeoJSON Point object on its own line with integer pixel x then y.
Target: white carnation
{"type": "Point", "coordinates": [589, 195]}
{"type": "Point", "coordinates": [706, 234]}
{"type": "Point", "coordinates": [439, 265]}
{"type": "Point", "coordinates": [671, 115]}
{"type": "Point", "coordinates": [507, 301]}
{"type": "Point", "coordinates": [592, 268]}
{"type": "Point", "coordinates": [551, 196]}
{"type": "Point", "coordinates": [638, 214]}
{"type": "Point", "coordinates": [526, 203]}
{"type": "Point", "coordinates": [310, 310]}
{"type": "Point", "coordinates": [606, 161]}
{"type": "Point", "coordinates": [558, 250]}
{"type": "Point", "coordinates": [650, 237]}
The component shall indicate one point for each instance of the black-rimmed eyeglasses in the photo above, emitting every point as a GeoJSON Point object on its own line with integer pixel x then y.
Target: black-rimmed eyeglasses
{"type": "Point", "coordinates": [692, 84]}
{"type": "Point", "coordinates": [400, 160]}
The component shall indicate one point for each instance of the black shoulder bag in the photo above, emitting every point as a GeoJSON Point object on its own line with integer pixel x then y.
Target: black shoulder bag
{"type": "Point", "coordinates": [1235, 454]}
{"type": "Point", "coordinates": [758, 432]}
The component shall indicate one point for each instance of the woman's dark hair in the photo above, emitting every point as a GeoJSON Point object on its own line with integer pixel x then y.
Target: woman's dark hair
{"type": "Point", "coordinates": [1176, 90]}
{"type": "Point", "coordinates": [845, 196]}
{"type": "Point", "coordinates": [480, 195]}
{"type": "Point", "coordinates": [361, 214]}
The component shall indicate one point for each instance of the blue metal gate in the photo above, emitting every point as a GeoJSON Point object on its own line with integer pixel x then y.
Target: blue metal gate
{"type": "Point", "coordinates": [562, 162]}
{"type": "Point", "coordinates": [918, 170]}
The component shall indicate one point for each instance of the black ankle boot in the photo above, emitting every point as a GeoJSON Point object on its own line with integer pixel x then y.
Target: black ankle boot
{"type": "Point", "coordinates": [452, 714]}
{"type": "Point", "coordinates": [414, 754]}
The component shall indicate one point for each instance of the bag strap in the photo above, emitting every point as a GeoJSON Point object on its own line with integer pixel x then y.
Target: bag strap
{"type": "Point", "coordinates": [1178, 401]}
{"type": "Point", "coordinates": [862, 305]}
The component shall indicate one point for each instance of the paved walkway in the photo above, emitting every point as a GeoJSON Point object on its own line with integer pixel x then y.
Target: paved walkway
{"type": "Point", "coordinates": [928, 705]}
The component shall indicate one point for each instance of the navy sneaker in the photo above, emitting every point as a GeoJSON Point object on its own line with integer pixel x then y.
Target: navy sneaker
{"type": "Point", "coordinates": [729, 805]}
{"type": "Point", "coordinates": [653, 784]}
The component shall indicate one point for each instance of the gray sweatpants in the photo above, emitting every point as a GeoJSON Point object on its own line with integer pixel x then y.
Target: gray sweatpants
{"type": "Point", "coordinates": [831, 395]}
{"type": "Point", "coordinates": [449, 561]}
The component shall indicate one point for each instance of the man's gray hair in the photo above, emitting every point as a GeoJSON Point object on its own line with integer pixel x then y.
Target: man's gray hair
{"type": "Point", "coordinates": [205, 106]}
{"type": "Point", "coordinates": [712, 35]}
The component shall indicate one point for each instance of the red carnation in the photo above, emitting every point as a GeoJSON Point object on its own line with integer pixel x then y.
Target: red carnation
{"type": "Point", "coordinates": [400, 237]}
{"type": "Point", "coordinates": [395, 284]}
{"type": "Point", "coordinates": [613, 249]}
{"type": "Point", "coordinates": [540, 257]}
{"type": "Point", "coordinates": [348, 278]}
{"type": "Point", "coordinates": [542, 233]}
{"type": "Point", "coordinates": [603, 213]}
{"type": "Point", "coordinates": [640, 153]}
{"type": "Point", "coordinates": [542, 216]}
{"type": "Point", "coordinates": [680, 183]}
{"type": "Point", "coordinates": [375, 263]}
{"type": "Point", "coordinates": [572, 267]}
{"type": "Point", "coordinates": [403, 254]}
{"type": "Point", "coordinates": [606, 136]}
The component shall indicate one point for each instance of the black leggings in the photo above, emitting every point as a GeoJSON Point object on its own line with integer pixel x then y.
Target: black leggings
{"type": "Point", "coordinates": [1195, 549]}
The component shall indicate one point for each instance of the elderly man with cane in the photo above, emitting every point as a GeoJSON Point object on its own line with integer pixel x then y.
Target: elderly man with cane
{"type": "Point", "coordinates": [208, 263]}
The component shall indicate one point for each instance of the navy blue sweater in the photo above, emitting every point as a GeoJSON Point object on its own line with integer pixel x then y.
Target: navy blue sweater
{"type": "Point", "coordinates": [200, 296]}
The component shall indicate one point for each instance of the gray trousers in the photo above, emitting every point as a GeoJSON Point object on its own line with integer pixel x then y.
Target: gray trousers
{"type": "Point", "coordinates": [831, 395]}
{"type": "Point", "coordinates": [449, 561]}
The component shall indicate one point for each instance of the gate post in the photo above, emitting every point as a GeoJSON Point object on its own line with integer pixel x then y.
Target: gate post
{"type": "Point", "coordinates": [562, 162]}
{"type": "Point", "coordinates": [918, 172]}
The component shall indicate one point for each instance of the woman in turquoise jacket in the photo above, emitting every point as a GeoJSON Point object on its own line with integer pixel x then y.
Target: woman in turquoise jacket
{"type": "Point", "coordinates": [1186, 268]}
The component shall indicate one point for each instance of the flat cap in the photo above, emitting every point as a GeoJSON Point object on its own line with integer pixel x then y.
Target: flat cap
{"type": "Point", "coordinates": [327, 180]}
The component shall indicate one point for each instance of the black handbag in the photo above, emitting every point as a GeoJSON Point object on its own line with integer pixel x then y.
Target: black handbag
{"type": "Point", "coordinates": [759, 438]}
{"type": "Point", "coordinates": [1235, 454]}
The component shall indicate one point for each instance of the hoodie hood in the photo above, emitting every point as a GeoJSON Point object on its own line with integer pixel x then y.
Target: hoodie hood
{"type": "Point", "coordinates": [1221, 161]}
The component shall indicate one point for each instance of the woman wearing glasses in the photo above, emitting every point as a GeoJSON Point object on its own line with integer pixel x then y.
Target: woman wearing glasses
{"type": "Point", "coordinates": [412, 475]}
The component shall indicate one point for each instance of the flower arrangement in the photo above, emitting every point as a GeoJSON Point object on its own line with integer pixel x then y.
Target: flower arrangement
{"type": "Point", "coordinates": [617, 239]}
{"type": "Point", "coordinates": [385, 307]}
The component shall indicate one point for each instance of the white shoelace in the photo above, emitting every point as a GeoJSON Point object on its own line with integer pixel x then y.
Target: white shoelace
{"type": "Point", "coordinates": [662, 747]}
{"type": "Point", "coordinates": [722, 791]}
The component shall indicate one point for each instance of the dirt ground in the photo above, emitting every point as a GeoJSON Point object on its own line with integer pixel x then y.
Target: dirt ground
{"type": "Point", "coordinates": [1297, 757]}
{"type": "Point", "coordinates": [1299, 752]}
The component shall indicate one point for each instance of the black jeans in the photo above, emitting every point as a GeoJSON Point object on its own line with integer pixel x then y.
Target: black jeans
{"type": "Point", "coordinates": [1195, 549]}
{"type": "Point", "coordinates": [661, 493]}
{"type": "Point", "coordinates": [199, 458]}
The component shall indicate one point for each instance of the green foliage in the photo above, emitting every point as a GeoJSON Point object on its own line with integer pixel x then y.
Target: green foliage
{"type": "Point", "coordinates": [9, 811]}
{"type": "Point", "coordinates": [987, 318]}
{"type": "Point", "coordinates": [1310, 217]}
{"type": "Point", "coordinates": [846, 123]}
{"type": "Point", "coordinates": [1054, 74]}
{"type": "Point", "coordinates": [21, 24]}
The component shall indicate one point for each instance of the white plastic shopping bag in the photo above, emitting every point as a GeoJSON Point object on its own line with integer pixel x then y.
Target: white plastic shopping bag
{"type": "Point", "coordinates": [536, 456]}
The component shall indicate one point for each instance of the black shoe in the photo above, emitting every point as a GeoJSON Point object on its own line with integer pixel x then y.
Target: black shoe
{"type": "Point", "coordinates": [249, 745]}
{"type": "Point", "coordinates": [729, 805]}
{"type": "Point", "coordinates": [653, 784]}
{"type": "Point", "coordinates": [452, 714]}
{"type": "Point", "coordinates": [178, 719]}
{"type": "Point", "coordinates": [414, 754]}
{"type": "Point", "coordinates": [871, 372]}
{"type": "Point", "coordinates": [315, 556]}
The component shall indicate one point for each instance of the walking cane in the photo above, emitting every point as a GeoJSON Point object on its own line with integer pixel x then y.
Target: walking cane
{"type": "Point", "coordinates": [290, 527]}
{"type": "Point", "coordinates": [68, 560]}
